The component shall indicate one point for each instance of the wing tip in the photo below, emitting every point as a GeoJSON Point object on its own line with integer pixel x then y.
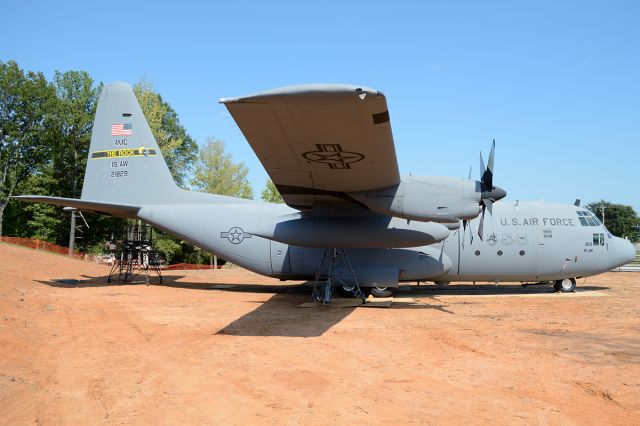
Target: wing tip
{"type": "Point", "coordinates": [305, 90]}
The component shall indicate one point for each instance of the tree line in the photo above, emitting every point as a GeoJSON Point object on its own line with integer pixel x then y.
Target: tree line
{"type": "Point", "coordinates": [45, 132]}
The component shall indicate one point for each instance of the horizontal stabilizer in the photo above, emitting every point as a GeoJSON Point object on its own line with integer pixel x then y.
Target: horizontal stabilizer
{"type": "Point", "coordinates": [113, 209]}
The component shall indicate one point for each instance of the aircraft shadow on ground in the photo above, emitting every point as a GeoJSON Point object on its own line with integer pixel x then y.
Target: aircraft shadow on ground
{"type": "Point", "coordinates": [281, 316]}
{"type": "Point", "coordinates": [410, 291]}
{"type": "Point", "coordinates": [486, 289]}
{"type": "Point", "coordinates": [175, 281]}
{"type": "Point", "coordinates": [277, 316]}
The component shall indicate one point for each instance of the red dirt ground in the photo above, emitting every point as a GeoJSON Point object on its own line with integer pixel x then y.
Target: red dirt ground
{"type": "Point", "coordinates": [200, 349]}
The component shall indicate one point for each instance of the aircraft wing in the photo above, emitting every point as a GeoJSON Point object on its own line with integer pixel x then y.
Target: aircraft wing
{"type": "Point", "coordinates": [319, 141]}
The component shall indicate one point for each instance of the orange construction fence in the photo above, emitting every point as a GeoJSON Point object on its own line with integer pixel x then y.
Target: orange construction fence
{"type": "Point", "coordinates": [54, 248]}
{"type": "Point", "coordinates": [41, 245]}
{"type": "Point", "coordinates": [185, 266]}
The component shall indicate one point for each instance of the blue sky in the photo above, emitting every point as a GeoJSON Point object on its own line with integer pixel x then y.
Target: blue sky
{"type": "Point", "coordinates": [556, 83]}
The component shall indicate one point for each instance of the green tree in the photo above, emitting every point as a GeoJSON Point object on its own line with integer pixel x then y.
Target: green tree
{"type": "Point", "coordinates": [34, 220]}
{"type": "Point", "coordinates": [45, 132]}
{"type": "Point", "coordinates": [169, 248]}
{"type": "Point", "coordinates": [76, 106]}
{"type": "Point", "coordinates": [178, 148]}
{"type": "Point", "coordinates": [77, 98]}
{"type": "Point", "coordinates": [216, 172]}
{"type": "Point", "coordinates": [25, 108]}
{"type": "Point", "coordinates": [270, 193]}
{"type": "Point", "coordinates": [619, 219]}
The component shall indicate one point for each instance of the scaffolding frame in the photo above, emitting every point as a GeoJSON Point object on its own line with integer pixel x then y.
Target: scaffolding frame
{"type": "Point", "coordinates": [326, 279]}
{"type": "Point", "coordinates": [136, 257]}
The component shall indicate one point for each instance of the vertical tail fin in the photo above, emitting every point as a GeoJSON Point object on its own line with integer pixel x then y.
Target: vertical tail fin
{"type": "Point", "coordinates": [125, 164]}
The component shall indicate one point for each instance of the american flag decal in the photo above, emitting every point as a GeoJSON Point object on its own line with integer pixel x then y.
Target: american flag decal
{"type": "Point", "coordinates": [121, 129]}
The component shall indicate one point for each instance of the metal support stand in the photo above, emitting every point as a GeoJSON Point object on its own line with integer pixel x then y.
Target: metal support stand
{"type": "Point", "coordinates": [136, 257]}
{"type": "Point", "coordinates": [326, 280]}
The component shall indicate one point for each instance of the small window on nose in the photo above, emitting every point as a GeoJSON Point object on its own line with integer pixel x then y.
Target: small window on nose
{"type": "Point", "coordinates": [598, 239]}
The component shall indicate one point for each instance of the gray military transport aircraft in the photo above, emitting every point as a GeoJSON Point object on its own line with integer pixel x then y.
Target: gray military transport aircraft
{"type": "Point", "coordinates": [330, 152]}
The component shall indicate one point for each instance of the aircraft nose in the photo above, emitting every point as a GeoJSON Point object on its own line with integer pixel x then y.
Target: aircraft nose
{"type": "Point", "coordinates": [623, 252]}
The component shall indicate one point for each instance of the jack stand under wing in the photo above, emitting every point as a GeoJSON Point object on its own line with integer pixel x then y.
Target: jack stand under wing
{"type": "Point", "coordinates": [326, 278]}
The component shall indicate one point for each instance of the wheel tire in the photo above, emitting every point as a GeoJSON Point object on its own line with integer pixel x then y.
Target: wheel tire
{"type": "Point", "coordinates": [345, 291]}
{"type": "Point", "coordinates": [566, 285]}
{"type": "Point", "coordinates": [381, 291]}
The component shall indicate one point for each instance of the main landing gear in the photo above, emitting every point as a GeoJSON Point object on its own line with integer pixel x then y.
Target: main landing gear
{"type": "Point", "coordinates": [326, 281]}
{"type": "Point", "coordinates": [566, 285]}
{"type": "Point", "coordinates": [350, 291]}
{"type": "Point", "coordinates": [381, 291]}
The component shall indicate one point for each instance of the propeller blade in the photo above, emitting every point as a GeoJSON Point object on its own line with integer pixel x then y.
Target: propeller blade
{"type": "Point", "coordinates": [491, 155]}
{"type": "Point", "coordinates": [489, 203]}
{"type": "Point", "coordinates": [464, 231]}
{"type": "Point", "coordinates": [470, 167]}
{"type": "Point", "coordinates": [487, 174]}
{"type": "Point", "coordinates": [481, 226]}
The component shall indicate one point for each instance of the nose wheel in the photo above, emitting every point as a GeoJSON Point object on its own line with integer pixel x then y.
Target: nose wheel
{"type": "Point", "coordinates": [566, 285]}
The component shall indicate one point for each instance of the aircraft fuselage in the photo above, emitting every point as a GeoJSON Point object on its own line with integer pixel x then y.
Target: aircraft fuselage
{"type": "Point", "coordinates": [523, 242]}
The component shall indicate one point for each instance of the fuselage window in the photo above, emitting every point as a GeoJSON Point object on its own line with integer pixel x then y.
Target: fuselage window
{"type": "Point", "coordinates": [521, 252]}
{"type": "Point", "coordinates": [583, 221]}
{"type": "Point", "coordinates": [499, 252]}
{"type": "Point", "coordinates": [547, 233]}
{"type": "Point", "coordinates": [477, 252]}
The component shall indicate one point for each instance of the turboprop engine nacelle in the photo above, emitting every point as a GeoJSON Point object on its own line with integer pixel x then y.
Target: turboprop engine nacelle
{"type": "Point", "coordinates": [426, 198]}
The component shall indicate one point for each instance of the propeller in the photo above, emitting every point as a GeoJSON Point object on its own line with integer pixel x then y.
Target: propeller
{"type": "Point", "coordinates": [465, 222]}
{"type": "Point", "coordinates": [489, 193]}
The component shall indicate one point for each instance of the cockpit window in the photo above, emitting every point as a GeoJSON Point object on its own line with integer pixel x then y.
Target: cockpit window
{"type": "Point", "coordinates": [587, 218]}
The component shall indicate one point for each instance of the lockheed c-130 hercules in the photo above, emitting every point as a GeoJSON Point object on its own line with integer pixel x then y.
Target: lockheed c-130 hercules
{"type": "Point", "coordinates": [330, 152]}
